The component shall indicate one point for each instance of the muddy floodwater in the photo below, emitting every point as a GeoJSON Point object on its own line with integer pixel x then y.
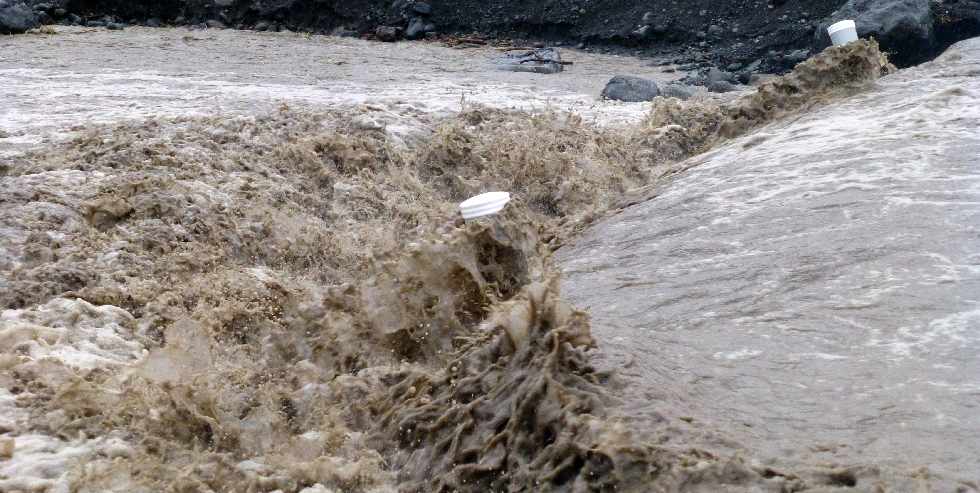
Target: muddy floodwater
{"type": "Point", "coordinates": [79, 76]}
{"type": "Point", "coordinates": [232, 261]}
{"type": "Point", "coordinates": [815, 285]}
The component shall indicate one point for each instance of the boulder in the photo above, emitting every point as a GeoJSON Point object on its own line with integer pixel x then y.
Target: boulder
{"type": "Point", "coordinates": [16, 18]}
{"type": "Point", "coordinates": [679, 91]}
{"type": "Point", "coordinates": [630, 89]}
{"type": "Point", "coordinates": [715, 75]}
{"type": "Point", "coordinates": [422, 8]}
{"type": "Point", "coordinates": [388, 34]}
{"type": "Point", "coordinates": [539, 61]}
{"type": "Point", "coordinates": [956, 21]}
{"type": "Point", "coordinates": [721, 86]}
{"type": "Point", "coordinates": [904, 28]}
{"type": "Point", "coordinates": [417, 27]}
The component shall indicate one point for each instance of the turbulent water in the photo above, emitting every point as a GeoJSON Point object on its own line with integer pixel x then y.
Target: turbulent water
{"type": "Point", "coordinates": [814, 287]}
{"type": "Point", "coordinates": [232, 262]}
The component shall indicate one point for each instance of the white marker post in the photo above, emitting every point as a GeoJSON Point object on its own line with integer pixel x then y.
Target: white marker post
{"type": "Point", "coordinates": [843, 32]}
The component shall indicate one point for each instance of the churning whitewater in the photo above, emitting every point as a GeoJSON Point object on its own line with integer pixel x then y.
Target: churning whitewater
{"type": "Point", "coordinates": [219, 282]}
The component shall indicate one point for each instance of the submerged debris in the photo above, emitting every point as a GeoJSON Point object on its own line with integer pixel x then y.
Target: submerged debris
{"type": "Point", "coordinates": [538, 60]}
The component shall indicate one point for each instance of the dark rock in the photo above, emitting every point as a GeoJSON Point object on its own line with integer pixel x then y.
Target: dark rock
{"type": "Point", "coordinates": [261, 26]}
{"type": "Point", "coordinates": [721, 86]}
{"type": "Point", "coordinates": [422, 8]}
{"type": "Point", "coordinates": [16, 18]}
{"type": "Point", "coordinates": [115, 26]}
{"type": "Point", "coordinates": [649, 18]}
{"type": "Point", "coordinates": [59, 13]}
{"type": "Point", "coordinates": [415, 29]}
{"type": "Point", "coordinates": [73, 19]}
{"type": "Point", "coordinates": [955, 21]}
{"type": "Point", "coordinates": [679, 91]}
{"type": "Point", "coordinates": [539, 61]}
{"type": "Point", "coordinates": [904, 28]}
{"type": "Point", "coordinates": [715, 31]}
{"type": "Point", "coordinates": [630, 89]}
{"type": "Point", "coordinates": [388, 34]}
{"type": "Point", "coordinates": [642, 32]}
{"type": "Point", "coordinates": [153, 22]}
{"type": "Point", "coordinates": [42, 7]}
{"type": "Point", "coordinates": [796, 56]}
{"type": "Point", "coordinates": [717, 75]}
{"type": "Point", "coordinates": [180, 20]}
{"type": "Point", "coordinates": [214, 24]}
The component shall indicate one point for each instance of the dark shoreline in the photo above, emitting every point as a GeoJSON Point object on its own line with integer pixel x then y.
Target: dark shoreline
{"type": "Point", "coordinates": [770, 37]}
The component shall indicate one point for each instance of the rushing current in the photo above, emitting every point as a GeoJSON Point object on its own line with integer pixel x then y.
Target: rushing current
{"type": "Point", "coordinates": [233, 261]}
{"type": "Point", "coordinates": [815, 286]}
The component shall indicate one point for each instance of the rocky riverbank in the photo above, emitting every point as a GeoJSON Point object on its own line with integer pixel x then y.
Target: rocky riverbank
{"type": "Point", "coordinates": [765, 36]}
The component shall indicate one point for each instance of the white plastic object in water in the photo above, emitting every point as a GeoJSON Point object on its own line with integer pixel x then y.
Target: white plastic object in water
{"type": "Point", "coordinates": [843, 32]}
{"type": "Point", "coordinates": [484, 204]}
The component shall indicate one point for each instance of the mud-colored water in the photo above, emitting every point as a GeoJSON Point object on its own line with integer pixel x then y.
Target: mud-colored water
{"type": "Point", "coordinates": [813, 286]}
{"type": "Point", "coordinates": [79, 76]}
{"type": "Point", "coordinates": [247, 281]}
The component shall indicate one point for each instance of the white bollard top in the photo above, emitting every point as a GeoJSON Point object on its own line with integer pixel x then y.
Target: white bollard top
{"type": "Point", "coordinates": [840, 26]}
{"type": "Point", "coordinates": [484, 204]}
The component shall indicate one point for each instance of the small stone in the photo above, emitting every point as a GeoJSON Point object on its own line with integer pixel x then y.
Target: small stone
{"type": "Point", "coordinates": [648, 18]}
{"type": "Point", "coordinates": [153, 22]}
{"type": "Point", "coordinates": [262, 26]}
{"type": "Point", "coordinates": [214, 24]}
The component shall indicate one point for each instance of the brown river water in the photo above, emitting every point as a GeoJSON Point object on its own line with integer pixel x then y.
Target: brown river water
{"type": "Point", "coordinates": [230, 262]}
{"type": "Point", "coordinates": [816, 283]}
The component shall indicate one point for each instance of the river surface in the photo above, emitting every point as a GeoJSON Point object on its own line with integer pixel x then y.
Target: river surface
{"type": "Point", "coordinates": [814, 288]}
{"type": "Point", "coordinates": [52, 85]}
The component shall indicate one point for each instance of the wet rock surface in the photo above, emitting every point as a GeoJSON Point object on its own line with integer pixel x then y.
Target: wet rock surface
{"type": "Point", "coordinates": [905, 27]}
{"type": "Point", "coordinates": [630, 89]}
{"type": "Point", "coordinates": [16, 17]}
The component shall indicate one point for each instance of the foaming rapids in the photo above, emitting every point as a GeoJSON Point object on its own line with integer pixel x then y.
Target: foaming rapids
{"type": "Point", "coordinates": [288, 301]}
